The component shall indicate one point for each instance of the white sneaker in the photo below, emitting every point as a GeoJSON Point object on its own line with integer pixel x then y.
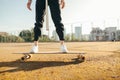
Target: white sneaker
{"type": "Point", "coordinates": [34, 49]}
{"type": "Point", "coordinates": [64, 49]}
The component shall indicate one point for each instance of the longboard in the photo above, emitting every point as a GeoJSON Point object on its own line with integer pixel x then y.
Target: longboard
{"type": "Point", "coordinates": [80, 55]}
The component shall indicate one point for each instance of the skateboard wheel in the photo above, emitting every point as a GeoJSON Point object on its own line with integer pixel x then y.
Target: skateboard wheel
{"type": "Point", "coordinates": [23, 58]}
{"type": "Point", "coordinates": [81, 57]}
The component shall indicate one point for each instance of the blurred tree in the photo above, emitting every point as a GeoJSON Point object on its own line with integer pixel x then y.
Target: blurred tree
{"type": "Point", "coordinates": [44, 38]}
{"type": "Point", "coordinates": [27, 35]}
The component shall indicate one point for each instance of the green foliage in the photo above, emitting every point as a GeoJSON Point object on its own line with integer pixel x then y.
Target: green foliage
{"type": "Point", "coordinates": [67, 37]}
{"type": "Point", "coordinates": [10, 38]}
{"type": "Point", "coordinates": [44, 38]}
{"type": "Point", "coordinates": [27, 35]}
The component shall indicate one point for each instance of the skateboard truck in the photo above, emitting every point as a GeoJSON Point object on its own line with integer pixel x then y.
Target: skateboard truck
{"type": "Point", "coordinates": [27, 56]}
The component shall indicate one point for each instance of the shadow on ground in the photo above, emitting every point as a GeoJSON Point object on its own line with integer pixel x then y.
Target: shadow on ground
{"type": "Point", "coordinates": [33, 65]}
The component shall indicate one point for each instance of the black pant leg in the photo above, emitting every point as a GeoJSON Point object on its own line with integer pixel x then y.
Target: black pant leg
{"type": "Point", "coordinates": [40, 12]}
{"type": "Point", "coordinates": [56, 17]}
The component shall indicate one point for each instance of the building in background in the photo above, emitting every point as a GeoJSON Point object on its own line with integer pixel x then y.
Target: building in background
{"type": "Point", "coordinates": [96, 34]}
{"type": "Point", "coordinates": [118, 35]}
{"type": "Point", "coordinates": [78, 33]}
{"type": "Point", "coordinates": [108, 34]}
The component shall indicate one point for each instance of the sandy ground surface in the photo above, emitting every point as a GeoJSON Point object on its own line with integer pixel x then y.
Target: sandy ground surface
{"type": "Point", "coordinates": [102, 62]}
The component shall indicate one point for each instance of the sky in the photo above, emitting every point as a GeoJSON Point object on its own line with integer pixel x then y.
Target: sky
{"type": "Point", "coordinates": [14, 16]}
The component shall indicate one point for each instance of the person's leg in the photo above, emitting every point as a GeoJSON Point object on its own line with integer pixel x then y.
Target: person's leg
{"type": "Point", "coordinates": [40, 12]}
{"type": "Point", "coordinates": [56, 17]}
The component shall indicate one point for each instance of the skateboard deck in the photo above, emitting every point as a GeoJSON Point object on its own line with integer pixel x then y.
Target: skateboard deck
{"type": "Point", "coordinates": [27, 55]}
{"type": "Point", "coordinates": [52, 53]}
